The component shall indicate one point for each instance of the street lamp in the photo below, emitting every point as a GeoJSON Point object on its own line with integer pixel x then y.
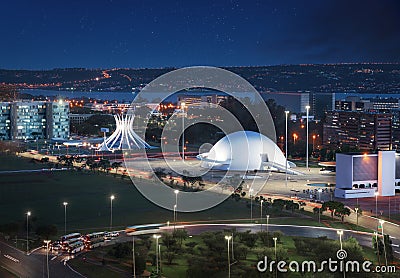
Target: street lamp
{"type": "Point", "coordinates": [174, 216]}
{"type": "Point", "coordinates": [286, 148]}
{"type": "Point", "coordinates": [307, 109]}
{"type": "Point", "coordinates": [133, 256]}
{"type": "Point", "coordinates": [267, 228]}
{"type": "Point", "coordinates": [228, 238]}
{"type": "Point", "coordinates": [183, 104]}
{"type": "Point", "coordinates": [261, 213]}
{"type": "Point", "coordinates": [251, 203]}
{"type": "Point", "coordinates": [47, 256]}
{"type": "Point", "coordinates": [65, 217]}
{"type": "Point", "coordinates": [313, 141]}
{"type": "Point", "coordinates": [159, 255]}
{"type": "Point", "coordinates": [377, 246]}
{"type": "Point", "coordinates": [376, 203]}
{"type": "Point", "coordinates": [276, 259]}
{"type": "Point", "coordinates": [176, 191]}
{"type": "Point", "coordinates": [356, 210]}
{"type": "Point", "coordinates": [156, 237]}
{"type": "Point", "coordinates": [112, 197]}
{"type": "Point", "coordinates": [340, 233]}
{"type": "Point", "coordinates": [295, 137]}
{"type": "Point", "coordinates": [319, 194]}
{"type": "Point", "coordinates": [319, 214]}
{"type": "Point", "coordinates": [27, 231]}
{"type": "Point", "coordinates": [381, 221]}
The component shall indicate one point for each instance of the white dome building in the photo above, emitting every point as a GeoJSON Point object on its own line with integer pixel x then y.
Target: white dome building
{"type": "Point", "coordinates": [245, 151]}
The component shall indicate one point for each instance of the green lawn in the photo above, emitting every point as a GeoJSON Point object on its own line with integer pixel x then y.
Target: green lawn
{"type": "Point", "coordinates": [12, 162]}
{"type": "Point", "coordinates": [91, 270]}
{"type": "Point", "coordinates": [88, 198]}
{"type": "Point", "coordinates": [89, 203]}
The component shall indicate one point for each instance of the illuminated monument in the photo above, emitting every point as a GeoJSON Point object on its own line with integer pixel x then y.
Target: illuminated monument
{"type": "Point", "coordinates": [246, 151]}
{"type": "Point", "coordinates": [124, 137]}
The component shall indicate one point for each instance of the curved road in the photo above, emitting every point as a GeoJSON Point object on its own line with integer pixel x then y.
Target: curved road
{"type": "Point", "coordinates": [34, 265]}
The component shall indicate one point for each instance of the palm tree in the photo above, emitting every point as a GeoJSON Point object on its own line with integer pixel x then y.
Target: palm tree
{"type": "Point", "coordinates": [342, 212]}
{"type": "Point", "coordinates": [116, 165]}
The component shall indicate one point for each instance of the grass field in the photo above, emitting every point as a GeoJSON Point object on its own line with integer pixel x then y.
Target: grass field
{"type": "Point", "coordinates": [88, 200]}
{"type": "Point", "coordinates": [11, 162]}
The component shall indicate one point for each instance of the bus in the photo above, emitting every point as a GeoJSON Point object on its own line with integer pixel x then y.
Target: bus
{"type": "Point", "coordinates": [67, 243]}
{"type": "Point", "coordinates": [76, 247]}
{"type": "Point", "coordinates": [94, 240]}
{"type": "Point", "coordinates": [70, 236]}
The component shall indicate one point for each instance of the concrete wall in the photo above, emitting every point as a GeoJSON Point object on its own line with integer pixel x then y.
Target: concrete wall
{"type": "Point", "coordinates": [344, 171]}
{"type": "Point", "coordinates": [386, 173]}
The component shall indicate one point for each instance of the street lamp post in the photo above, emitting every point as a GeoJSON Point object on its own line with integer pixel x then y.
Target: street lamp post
{"type": "Point", "coordinates": [276, 258]}
{"type": "Point", "coordinates": [295, 136]}
{"type": "Point", "coordinates": [183, 104]}
{"type": "Point", "coordinates": [65, 217]}
{"type": "Point", "coordinates": [112, 197]}
{"type": "Point", "coordinates": [133, 257]}
{"type": "Point", "coordinates": [377, 247]}
{"type": "Point", "coordinates": [156, 237]}
{"type": "Point", "coordinates": [174, 215]}
{"type": "Point", "coordinates": [286, 148]}
{"type": "Point", "coordinates": [308, 110]}
{"type": "Point", "coordinates": [267, 229]}
{"type": "Point", "coordinates": [319, 214]}
{"type": "Point", "coordinates": [340, 233]}
{"type": "Point", "coordinates": [313, 142]}
{"type": "Point", "coordinates": [176, 191]}
{"type": "Point", "coordinates": [159, 255]}
{"type": "Point", "coordinates": [376, 203]}
{"type": "Point", "coordinates": [356, 210]}
{"type": "Point", "coordinates": [251, 203]}
{"type": "Point", "coordinates": [381, 221]}
{"type": "Point", "coordinates": [47, 256]}
{"type": "Point", "coordinates": [261, 214]}
{"type": "Point", "coordinates": [27, 231]}
{"type": "Point", "coordinates": [228, 238]}
{"type": "Point", "coordinates": [233, 255]}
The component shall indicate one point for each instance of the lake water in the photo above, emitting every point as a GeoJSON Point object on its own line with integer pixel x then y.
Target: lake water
{"type": "Point", "coordinates": [129, 96]}
{"type": "Point", "coordinates": [120, 96]}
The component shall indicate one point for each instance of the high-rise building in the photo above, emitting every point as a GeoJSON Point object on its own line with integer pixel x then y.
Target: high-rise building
{"type": "Point", "coordinates": [22, 120]}
{"type": "Point", "coordinates": [377, 105]}
{"type": "Point", "coordinates": [320, 103]}
{"type": "Point", "coordinates": [57, 119]}
{"type": "Point", "coordinates": [358, 130]}
{"type": "Point", "coordinates": [5, 121]}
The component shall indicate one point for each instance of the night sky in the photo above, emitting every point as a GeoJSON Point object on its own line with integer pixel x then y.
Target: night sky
{"type": "Point", "coordinates": [106, 34]}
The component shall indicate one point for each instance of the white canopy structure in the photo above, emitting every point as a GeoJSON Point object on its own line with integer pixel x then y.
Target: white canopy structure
{"type": "Point", "coordinates": [244, 151]}
{"type": "Point", "coordinates": [124, 137]}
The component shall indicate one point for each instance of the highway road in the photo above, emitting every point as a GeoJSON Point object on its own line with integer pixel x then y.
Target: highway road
{"type": "Point", "coordinates": [32, 266]}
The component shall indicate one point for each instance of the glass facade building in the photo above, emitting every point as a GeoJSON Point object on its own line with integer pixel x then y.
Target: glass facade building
{"type": "Point", "coordinates": [23, 120]}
